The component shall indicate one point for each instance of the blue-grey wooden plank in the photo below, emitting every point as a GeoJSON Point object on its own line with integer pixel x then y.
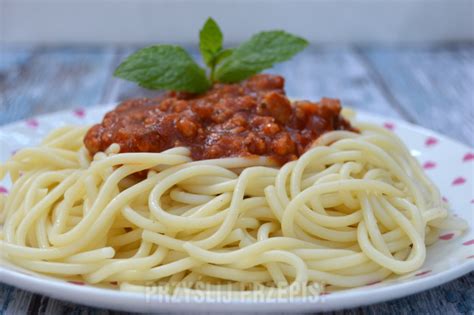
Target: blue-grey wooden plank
{"type": "Point", "coordinates": [51, 79]}
{"type": "Point", "coordinates": [334, 72]}
{"type": "Point", "coordinates": [11, 59]}
{"type": "Point", "coordinates": [433, 84]}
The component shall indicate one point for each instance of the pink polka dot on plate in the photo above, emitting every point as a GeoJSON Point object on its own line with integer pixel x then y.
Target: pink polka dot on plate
{"type": "Point", "coordinates": [468, 157]}
{"type": "Point", "coordinates": [472, 201]}
{"type": "Point", "coordinates": [458, 181]}
{"type": "Point", "coordinates": [431, 141]}
{"type": "Point", "coordinates": [445, 199]}
{"type": "Point", "coordinates": [446, 237]}
{"type": "Point", "coordinates": [429, 165]}
{"type": "Point", "coordinates": [472, 256]}
{"type": "Point", "coordinates": [79, 112]}
{"type": "Point", "coordinates": [470, 242]}
{"type": "Point", "coordinates": [33, 123]}
{"type": "Point", "coordinates": [3, 190]}
{"type": "Point", "coordinates": [423, 273]}
{"type": "Point", "coordinates": [389, 125]}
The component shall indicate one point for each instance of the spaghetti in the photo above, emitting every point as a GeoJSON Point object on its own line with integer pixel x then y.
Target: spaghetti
{"type": "Point", "coordinates": [352, 210]}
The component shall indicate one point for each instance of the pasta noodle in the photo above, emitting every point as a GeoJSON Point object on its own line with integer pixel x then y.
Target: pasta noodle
{"type": "Point", "coordinates": [352, 210]}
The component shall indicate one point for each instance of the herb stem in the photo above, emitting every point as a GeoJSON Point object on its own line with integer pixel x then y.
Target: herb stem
{"type": "Point", "coordinates": [213, 71]}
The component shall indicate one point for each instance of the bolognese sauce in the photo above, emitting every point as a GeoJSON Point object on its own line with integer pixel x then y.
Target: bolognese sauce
{"type": "Point", "coordinates": [250, 118]}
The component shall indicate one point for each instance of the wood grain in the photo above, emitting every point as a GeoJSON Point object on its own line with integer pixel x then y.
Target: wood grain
{"type": "Point", "coordinates": [429, 85]}
{"type": "Point", "coordinates": [434, 85]}
{"type": "Point", "coordinates": [52, 79]}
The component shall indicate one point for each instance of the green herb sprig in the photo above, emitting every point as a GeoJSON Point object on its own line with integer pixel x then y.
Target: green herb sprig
{"type": "Point", "coordinates": [170, 67]}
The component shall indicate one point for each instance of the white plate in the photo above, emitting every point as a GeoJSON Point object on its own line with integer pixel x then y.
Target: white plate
{"type": "Point", "coordinates": [449, 163]}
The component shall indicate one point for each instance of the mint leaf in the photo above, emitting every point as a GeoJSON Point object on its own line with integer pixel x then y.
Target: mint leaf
{"type": "Point", "coordinates": [164, 67]}
{"type": "Point", "coordinates": [210, 41]}
{"type": "Point", "coordinates": [172, 68]}
{"type": "Point", "coordinates": [260, 52]}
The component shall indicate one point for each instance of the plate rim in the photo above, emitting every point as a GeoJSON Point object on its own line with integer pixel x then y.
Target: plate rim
{"type": "Point", "coordinates": [128, 301]}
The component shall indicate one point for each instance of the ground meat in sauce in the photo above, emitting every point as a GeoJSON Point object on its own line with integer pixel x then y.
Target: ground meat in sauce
{"type": "Point", "coordinates": [253, 117]}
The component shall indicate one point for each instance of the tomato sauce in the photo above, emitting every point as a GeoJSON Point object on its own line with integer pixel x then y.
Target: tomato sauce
{"type": "Point", "coordinates": [251, 118]}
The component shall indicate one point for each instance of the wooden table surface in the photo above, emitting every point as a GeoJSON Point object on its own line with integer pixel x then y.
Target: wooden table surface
{"type": "Point", "coordinates": [429, 85]}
